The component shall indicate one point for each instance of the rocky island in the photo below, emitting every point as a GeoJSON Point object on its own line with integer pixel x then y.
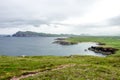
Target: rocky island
{"type": "Point", "coordinates": [35, 34]}
{"type": "Point", "coordinates": [63, 41]}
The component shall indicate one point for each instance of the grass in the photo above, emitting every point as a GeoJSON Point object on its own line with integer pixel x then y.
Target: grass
{"type": "Point", "coordinates": [86, 68]}
{"type": "Point", "coordinates": [16, 66]}
{"type": "Point", "coordinates": [80, 72]}
{"type": "Point", "coordinates": [109, 41]}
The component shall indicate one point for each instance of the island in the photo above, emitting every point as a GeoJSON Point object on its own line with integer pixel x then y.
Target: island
{"type": "Point", "coordinates": [64, 41]}
{"type": "Point", "coordinates": [36, 34]}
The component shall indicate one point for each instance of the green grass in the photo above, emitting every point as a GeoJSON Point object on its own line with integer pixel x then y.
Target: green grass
{"type": "Point", "coordinates": [109, 41]}
{"type": "Point", "coordinates": [86, 68]}
{"type": "Point", "coordinates": [16, 66]}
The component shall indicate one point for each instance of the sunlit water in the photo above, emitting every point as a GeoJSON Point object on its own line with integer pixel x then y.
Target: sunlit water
{"type": "Point", "coordinates": [36, 46]}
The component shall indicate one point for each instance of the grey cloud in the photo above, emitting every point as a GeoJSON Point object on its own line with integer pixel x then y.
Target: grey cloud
{"type": "Point", "coordinates": [114, 21]}
{"type": "Point", "coordinates": [15, 13]}
{"type": "Point", "coordinates": [34, 22]}
{"type": "Point", "coordinates": [30, 12]}
{"type": "Point", "coordinates": [15, 23]}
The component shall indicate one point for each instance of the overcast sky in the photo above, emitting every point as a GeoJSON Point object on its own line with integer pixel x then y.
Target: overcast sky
{"type": "Point", "coordinates": [94, 17]}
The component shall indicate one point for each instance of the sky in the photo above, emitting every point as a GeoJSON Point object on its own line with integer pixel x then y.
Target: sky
{"type": "Point", "coordinates": [92, 17]}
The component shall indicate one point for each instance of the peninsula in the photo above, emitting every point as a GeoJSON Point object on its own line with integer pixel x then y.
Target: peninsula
{"type": "Point", "coordinates": [35, 34]}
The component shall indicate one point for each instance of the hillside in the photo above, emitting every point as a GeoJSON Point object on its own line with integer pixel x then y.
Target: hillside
{"type": "Point", "coordinates": [35, 34]}
{"type": "Point", "coordinates": [60, 68]}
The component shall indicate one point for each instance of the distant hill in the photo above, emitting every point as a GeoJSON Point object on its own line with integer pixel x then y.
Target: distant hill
{"type": "Point", "coordinates": [5, 35]}
{"type": "Point", "coordinates": [35, 34]}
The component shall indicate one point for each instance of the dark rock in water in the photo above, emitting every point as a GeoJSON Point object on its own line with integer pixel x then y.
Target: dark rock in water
{"type": "Point", "coordinates": [101, 43]}
{"type": "Point", "coordinates": [63, 42]}
{"type": "Point", "coordinates": [103, 50]}
{"type": "Point", "coordinates": [60, 39]}
{"type": "Point", "coordinates": [85, 50]}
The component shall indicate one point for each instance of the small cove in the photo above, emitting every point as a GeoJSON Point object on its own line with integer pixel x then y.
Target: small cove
{"type": "Point", "coordinates": [37, 46]}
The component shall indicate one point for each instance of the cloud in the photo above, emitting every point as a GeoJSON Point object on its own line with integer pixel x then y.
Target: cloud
{"type": "Point", "coordinates": [115, 21]}
{"type": "Point", "coordinates": [17, 23]}
{"type": "Point", "coordinates": [60, 16]}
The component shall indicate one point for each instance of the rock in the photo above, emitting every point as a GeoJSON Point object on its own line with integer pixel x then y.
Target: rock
{"type": "Point", "coordinates": [60, 39]}
{"type": "Point", "coordinates": [103, 50]}
{"type": "Point", "coordinates": [85, 50]}
{"type": "Point", "coordinates": [63, 42]}
{"type": "Point", "coordinates": [101, 43]}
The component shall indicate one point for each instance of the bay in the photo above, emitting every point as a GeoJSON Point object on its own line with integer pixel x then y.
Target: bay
{"type": "Point", "coordinates": [37, 46]}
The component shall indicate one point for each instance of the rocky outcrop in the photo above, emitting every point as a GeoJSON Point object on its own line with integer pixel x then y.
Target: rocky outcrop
{"type": "Point", "coordinates": [103, 50]}
{"type": "Point", "coordinates": [60, 39]}
{"type": "Point", "coordinates": [63, 41]}
{"type": "Point", "coordinates": [99, 43]}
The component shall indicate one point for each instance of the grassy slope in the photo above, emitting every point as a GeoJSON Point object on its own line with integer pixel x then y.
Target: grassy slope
{"type": "Point", "coordinates": [87, 67]}
{"type": "Point", "coordinates": [109, 41]}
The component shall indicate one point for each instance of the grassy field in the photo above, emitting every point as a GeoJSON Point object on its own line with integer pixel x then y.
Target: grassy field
{"type": "Point", "coordinates": [109, 41]}
{"type": "Point", "coordinates": [86, 67]}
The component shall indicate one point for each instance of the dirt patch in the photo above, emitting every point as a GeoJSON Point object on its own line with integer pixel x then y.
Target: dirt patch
{"type": "Point", "coordinates": [33, 73]}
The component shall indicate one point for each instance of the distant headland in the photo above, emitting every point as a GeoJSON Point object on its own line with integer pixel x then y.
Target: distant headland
{"type": "Point", "coordinates": [36, 34]}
